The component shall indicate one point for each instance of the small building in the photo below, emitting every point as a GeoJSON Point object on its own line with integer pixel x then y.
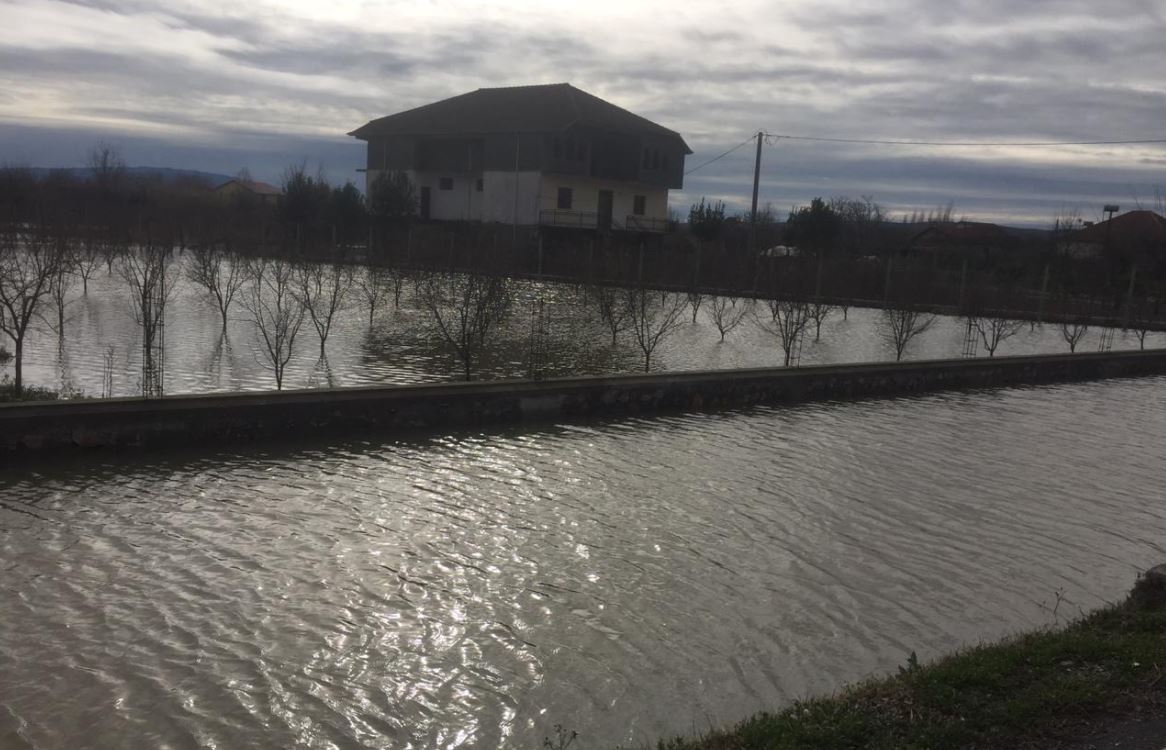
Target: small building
{"type": "Point", "coordinates": [973, 240]}
{"type": "Point", "coordinates": [1135, 237]}
{"type": "Point", "coordinates": [548, 155]}
{"type": "Point", "coordinates": [249, 189]}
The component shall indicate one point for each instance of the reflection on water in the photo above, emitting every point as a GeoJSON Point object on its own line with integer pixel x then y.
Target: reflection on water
{"type": "Point", "coordinates": [401, 346]}
{"type": "Point", "coordinates": [624, 579]}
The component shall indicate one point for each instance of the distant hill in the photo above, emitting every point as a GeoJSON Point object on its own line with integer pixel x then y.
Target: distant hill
{"type": "Point", "coordinates": [164, 174]}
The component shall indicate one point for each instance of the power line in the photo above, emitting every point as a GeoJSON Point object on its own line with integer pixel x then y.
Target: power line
{"type": "Point", "coordinates": [721, 156]}
{"type": "Point", "coordinates": [879, 142]}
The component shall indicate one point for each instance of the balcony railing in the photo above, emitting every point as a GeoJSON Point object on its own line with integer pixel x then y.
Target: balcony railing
{"type": "Point", "coordinates": [645, 224]}
{"type": "Point", "coordinates": [561, 217]}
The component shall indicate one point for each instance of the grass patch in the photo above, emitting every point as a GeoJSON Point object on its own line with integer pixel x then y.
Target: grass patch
{"type": "Point", "coordinates": [28, 393]}
{"type": "Point", "coordinates": [1020, 692]}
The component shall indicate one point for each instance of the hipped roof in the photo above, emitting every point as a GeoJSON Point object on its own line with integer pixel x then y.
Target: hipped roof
{"type": "Point", "coordinates": [515, 109]}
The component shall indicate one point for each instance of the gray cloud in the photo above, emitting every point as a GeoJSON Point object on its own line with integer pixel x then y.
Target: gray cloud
{"type": "Point", "coordinates": [963, 70]}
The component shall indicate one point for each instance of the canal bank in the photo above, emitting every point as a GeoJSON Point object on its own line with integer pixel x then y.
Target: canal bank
{"type": "Point", "coordinates": [219, 418]}
{"type": "Point", "coordinates": [1095, 683]}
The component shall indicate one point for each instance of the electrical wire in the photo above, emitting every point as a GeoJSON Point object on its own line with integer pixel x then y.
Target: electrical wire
{"type": "Point", "coordinates": [722, 156]}
{"type": "Point", "coordinates": [961, 144]}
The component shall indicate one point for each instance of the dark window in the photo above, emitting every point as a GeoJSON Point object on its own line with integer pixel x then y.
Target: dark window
{"type": "Point", "coordinates": [565, 195]}
{"type": "Point", "coordinates": [639, 205]}
{"type": "Point", "coordinates": [478, 185]}
{"type": "Point", "coordinates": [445, 183]}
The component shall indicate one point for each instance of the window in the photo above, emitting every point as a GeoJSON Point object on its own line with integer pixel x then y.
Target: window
{"type": "Point", "coordinates": [639, 204]}
{"type": "Point", "coordinates": [445, 183]}
{"type": "Point", "coordinates": [478, 185]}
{"type": "Point", "coordinates": [565, 196]}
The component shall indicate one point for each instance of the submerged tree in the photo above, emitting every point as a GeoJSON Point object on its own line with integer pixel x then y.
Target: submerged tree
{"type": "Point", "coordinates": [729, 312]}
{"type": "Point", "coordinates": [901, 324]}
{"type": "Point", "coordinates": [146, 270]}
{"type": "Point", "coordinates": [219, 274]}
{"type": "Point", "coordinates": [276, 312]}
{"type": "Point", "coordinates": [653, 317]}
{"type": "Point", "coordinates": [818, 312]}
{"type": "Point", "coordinates": [787, 321]}
{"type": "Point", "coordinates": [612, 304]}
{"type": "Point", "coordinates": [323, 289]}
{"type": "Point", "coordinates": [373, 285]}
{"type": "Point", "coordinates": [465, 309]}
{"type": "Point", "coordinates": [694, 300]}
{"type": "Point", "coordinates": [29, 261]}
{"type": "Point", "coordinates": [994, 330]}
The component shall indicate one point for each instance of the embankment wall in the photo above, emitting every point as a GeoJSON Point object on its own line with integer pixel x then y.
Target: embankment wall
{"type": "Point", "coordinates": [219, 418]}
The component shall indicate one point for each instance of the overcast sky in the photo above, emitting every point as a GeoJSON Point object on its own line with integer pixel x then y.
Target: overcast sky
{"type": "Point", "coordinates": [218, 86]}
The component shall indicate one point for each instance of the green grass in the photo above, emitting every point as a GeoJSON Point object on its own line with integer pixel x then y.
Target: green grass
{"type": "Point", "coordinates": [1016, 693]}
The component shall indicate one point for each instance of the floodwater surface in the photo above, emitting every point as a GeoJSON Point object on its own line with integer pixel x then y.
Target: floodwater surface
{"type": "Point", "coordinates": [626, 580]}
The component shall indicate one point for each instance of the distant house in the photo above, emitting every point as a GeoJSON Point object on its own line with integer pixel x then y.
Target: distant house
{"type": "Point", "coordinates": [236, 188]}
{"type": "Point", "coordinates": [965, 239]}
{"type": "Point", "coordinates": [549, 155]}
{"type": "Point", "coordinates": [1137, 237]}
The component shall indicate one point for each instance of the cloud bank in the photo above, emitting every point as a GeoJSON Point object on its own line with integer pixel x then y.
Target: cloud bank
{"type": "Point", "coordinates": [218, 86]}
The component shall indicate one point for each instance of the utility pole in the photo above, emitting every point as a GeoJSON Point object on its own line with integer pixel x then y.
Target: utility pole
{"type": "Point", "coordinates": [756, 184]}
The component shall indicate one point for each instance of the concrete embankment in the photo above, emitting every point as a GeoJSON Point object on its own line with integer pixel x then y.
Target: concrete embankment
{"type": "Point", "coordinates": [219, 418]}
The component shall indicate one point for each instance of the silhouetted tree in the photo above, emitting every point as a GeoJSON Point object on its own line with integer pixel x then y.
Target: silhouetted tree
{"type": "Point", "coordinates": [29, 262]}
{"type": "Point", "coordinates": [653, 317]}
{"type": "Point", "coordinates": [900, 325]}
{"type": "Point", "coordinates": [465, 308]}
{"type": "Point", "coordinates": [728, 312]}
{"type": "Point", "coordinates": [392, 198]}
{"type": "Point", "coordinates": [707, 220]}
{"type": "Point", "coordinates": [323, 290]}
{"type": "Point", "coordinates": [812, 228]}
{"type": "Point", "coordinates": [276, 312]}
{"type": "Point", "coordinates": [222, 276]}
{"type": "Point", "coordinates": [787, 320]}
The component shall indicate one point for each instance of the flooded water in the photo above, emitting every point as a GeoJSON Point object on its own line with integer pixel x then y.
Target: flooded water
{"type": "Point", "coordinates": [401, 345]}
{"type": "Point", "coordinates": [626, 580]}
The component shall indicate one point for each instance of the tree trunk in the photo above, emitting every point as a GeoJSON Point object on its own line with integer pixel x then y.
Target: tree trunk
{"type": "Point", "coordinates": [18, 367]}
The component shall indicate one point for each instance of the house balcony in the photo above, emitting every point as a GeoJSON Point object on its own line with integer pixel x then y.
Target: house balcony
{"type": "Point", "coordinates": [645, 224]}
{"type": "Point", "coordinates": [562, 217]}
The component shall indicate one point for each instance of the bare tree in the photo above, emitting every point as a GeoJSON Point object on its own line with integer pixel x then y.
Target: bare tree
{"type": "Point", "coordinates": [219, 274]}
{"type": "Point", "coordinates": [29, 261]}
{"type": "Point", "coordinates": [653, 318]}
{"type": "Point", "coordinates": [728, 312]}
{"type": "Point", "coordinates": [466, 308]}
{"type": "Point", "coordinates": [694, 299]}
{"type": "Point", "coordinates": [612, 304]}
{"type": "Point", "coordinates": [62, 282]}
{"type": "Point", "coordinates": [373, 285]}
{"type": "Point", "coordinates": [276, 311]}
{"type": "Point", "coordinates": [1073, 328]}
{"type": "Point", "coordinates": [324, 290]}
{"type": "Point", "coordinates": [87, 260]}
{"type": "Point", "coordinates": [818, 312]}
{"type": "Point", "coordinates": [1142, 318]}
{"type": "Point", "coordinates": [146, 271]}
{"type": "Point", "coordinates": [787, 321]}
{"type": "Point", "coordinates": [900, 325]}
{"type": "Point", "coordinates": [994, 329]}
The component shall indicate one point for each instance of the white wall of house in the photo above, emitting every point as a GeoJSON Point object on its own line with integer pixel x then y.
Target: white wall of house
{"type": "Point", "coordinates": [461, 202]}
{"type": "Point", "coordinates": [585, 196]}
{"type": "Point", "coordinates": [499, 198]}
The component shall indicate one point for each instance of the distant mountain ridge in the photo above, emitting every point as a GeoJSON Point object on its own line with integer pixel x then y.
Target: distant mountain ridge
{"type": "Point", "coordinates": [164, 174]}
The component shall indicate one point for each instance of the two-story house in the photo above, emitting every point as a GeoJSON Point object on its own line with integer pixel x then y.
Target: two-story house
{"type": "Point", "coordinates": [550, 155]}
